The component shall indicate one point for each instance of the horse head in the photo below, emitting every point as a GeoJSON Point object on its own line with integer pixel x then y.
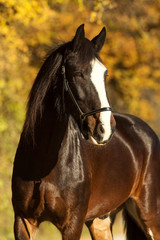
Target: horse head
{"type": "Point", "coordinates": [84, 82]}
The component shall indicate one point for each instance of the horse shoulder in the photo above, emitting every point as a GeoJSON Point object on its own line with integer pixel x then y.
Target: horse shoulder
{"type": "Point", "coordinates": [145, 142]}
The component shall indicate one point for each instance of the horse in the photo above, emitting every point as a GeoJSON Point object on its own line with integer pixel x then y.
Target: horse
{"type": "Point", "coordinates": [77, 159]}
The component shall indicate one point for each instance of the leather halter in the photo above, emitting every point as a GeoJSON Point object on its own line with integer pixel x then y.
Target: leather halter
{"type": "Point", "coordinates": [82, 114]}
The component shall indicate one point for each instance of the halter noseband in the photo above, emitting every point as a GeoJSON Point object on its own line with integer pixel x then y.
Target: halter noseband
{"type": "Point", "coordinates": [82, 114]}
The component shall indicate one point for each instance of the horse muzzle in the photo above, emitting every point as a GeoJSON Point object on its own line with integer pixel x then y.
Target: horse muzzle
{"type": "Point", "coordinates": [100, 133]}
{"type": "Point", "coordinates": [100, 137]}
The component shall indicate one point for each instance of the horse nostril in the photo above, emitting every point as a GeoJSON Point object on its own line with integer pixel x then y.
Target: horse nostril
{"type": "Point", "coordinates": [100, 128]}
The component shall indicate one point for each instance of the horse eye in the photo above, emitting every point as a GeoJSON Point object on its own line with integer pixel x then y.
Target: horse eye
{"type": "Point", "coordinates": [78, 74]}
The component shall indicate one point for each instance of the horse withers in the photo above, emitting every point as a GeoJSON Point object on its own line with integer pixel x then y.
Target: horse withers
{"type": "Point", "coordinates": [71, 165]}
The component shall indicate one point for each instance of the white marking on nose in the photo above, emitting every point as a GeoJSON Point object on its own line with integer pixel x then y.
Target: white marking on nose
{"type": "Point", "coordinates": [150, 233]}
{"type": "Point", "coordinates": [97, 78]}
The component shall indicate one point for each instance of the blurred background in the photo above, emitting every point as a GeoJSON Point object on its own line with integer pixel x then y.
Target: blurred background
{"type": "Point", "coordinates": [31, 28]}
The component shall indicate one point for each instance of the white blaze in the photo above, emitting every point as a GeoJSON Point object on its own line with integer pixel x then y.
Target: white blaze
{"type": "Point", "coordinates": [151, 234]}
{"type": "Point", "coordinates": [97, 78]}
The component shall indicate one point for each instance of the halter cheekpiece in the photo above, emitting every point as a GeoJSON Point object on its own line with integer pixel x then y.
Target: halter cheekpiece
{"type": "Point", "coordinates": [82, 114]}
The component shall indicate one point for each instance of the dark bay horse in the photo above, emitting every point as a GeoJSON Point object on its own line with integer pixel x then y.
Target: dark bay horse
{"type": "Point", "coordinates": [71, 165]}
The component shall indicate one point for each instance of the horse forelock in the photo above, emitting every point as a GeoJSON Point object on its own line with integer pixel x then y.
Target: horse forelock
{"type": "Point", "coordinates": [86, 52]}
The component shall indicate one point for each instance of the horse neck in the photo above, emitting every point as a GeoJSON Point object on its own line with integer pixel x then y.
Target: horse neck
{"type": "Point", "coordinates": [36, 158]}
{"type": "Point", "coordinates": [71, 155]}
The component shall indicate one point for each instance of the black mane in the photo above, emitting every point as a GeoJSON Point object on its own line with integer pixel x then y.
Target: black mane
{"type": "Point", "coordinates": [48, 77]}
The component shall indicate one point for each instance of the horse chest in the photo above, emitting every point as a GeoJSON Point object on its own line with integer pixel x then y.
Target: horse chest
{"type": "Point", "coordinates": [67, 186]}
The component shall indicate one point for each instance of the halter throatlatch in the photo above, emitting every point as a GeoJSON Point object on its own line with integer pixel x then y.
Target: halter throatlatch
{"type": "Point", "coordinates": [82, 114]}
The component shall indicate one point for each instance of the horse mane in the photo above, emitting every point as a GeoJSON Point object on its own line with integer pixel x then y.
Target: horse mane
{"type": "Point", "coordinates": [47, 79]}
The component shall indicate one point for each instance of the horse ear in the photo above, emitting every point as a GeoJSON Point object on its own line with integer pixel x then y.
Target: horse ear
{"type": "Point", "coordinates": [99, 40]}
{"type": "Point", "coordinates": [78, 36]}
